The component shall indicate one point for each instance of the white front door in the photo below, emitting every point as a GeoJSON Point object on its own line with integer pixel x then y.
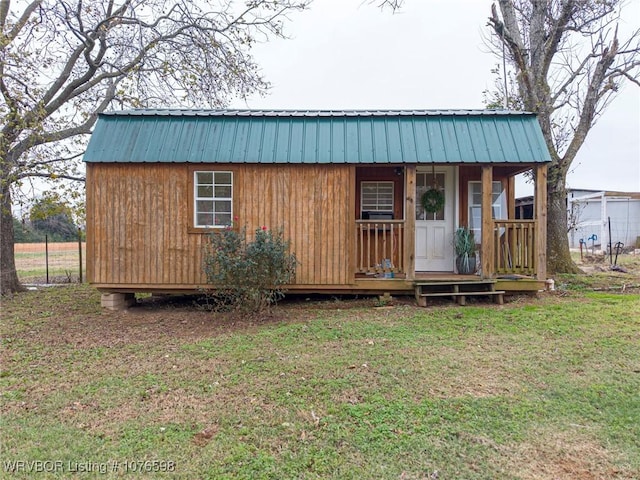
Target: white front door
{"type": "Point", "coordinates": [434, 231]}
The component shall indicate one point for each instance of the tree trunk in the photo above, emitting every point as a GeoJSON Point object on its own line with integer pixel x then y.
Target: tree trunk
{"type": "Point", "coordinates": [9, 282]}
{"type": "Point", "coordinates": [558, 254]}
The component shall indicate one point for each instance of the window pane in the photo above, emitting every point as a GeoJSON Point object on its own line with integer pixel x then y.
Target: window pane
{"type": "Point", "coordinates": [205, 191]}
{"type": "Point", "coordinates": [223, 192]}
{"type": "Point", "coordinates": [223, 178]}
{"type": "Point", "coordinates": [205, 178]}
{"type": "Point", "coordinates": [203, 206]}
{"type": "Point", "coordinates": [204, 219]}
{"type": "Point", "coordinates": [223, 219]}
{"type": "Point", "coordinates": [222, 206]}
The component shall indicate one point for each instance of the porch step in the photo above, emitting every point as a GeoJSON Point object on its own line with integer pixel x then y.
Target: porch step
{"type": "Point", "coordinates": [457, 290]}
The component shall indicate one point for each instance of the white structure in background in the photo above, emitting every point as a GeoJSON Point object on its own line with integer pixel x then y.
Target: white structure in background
{"type": "Point", "coordinates": [589, 213]}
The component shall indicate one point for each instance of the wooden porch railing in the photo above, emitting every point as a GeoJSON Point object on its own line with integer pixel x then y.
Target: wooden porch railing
{"type": "Point", "coordinates": [380, 247]}
{"type": "Point", "coordinates": [514, 242]}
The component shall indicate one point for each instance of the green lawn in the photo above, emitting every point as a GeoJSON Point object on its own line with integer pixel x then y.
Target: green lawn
{"type": "Point", "coordinates": [543, 388]}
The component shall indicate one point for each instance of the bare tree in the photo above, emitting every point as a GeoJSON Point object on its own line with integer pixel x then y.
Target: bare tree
{"type": "Point", "coordinates": [569, 61]}
{"type": "Point", "coordinates": [64, 61]}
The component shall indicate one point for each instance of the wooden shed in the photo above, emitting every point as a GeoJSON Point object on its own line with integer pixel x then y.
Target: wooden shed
{"type": "Point", "coordinates": [346, 186]}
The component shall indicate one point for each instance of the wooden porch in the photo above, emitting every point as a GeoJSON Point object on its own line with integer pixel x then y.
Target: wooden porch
{"type": "Point", "coordinates": [512, 253]}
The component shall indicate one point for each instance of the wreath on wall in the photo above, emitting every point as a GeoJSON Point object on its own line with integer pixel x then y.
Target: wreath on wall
{"type": "Point", "coordinates": [432, 200]}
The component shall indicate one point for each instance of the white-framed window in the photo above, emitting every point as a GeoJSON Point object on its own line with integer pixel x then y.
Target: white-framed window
{"type": "Point", "coordinates": [213, 199]}
{"type": "Point", "coordinates": [376, 197]}
{"type": "Point", "coordinates": [498, 205]}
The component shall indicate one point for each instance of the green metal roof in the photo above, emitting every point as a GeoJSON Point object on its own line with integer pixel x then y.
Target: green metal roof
{"type": "Point", "coordinates": [292, 136]}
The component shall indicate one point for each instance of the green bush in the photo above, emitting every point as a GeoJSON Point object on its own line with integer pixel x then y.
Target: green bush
{"type": "Point", "coordinates": [248, 275]}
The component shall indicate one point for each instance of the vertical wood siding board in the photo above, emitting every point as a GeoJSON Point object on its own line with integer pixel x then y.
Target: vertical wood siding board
{"type": "Point", "coordinates": [115, 201]}
{"type": "Point", "coordinates": [338, 219]}
{"type": "Point", "coordinates": [184, 223]}
{"type": "Point", "coordinates": [189, 263]}
{"type": "Point", "coordinates": [154, 229]}
{"type": "Point", "coordinates": [343, 246]}
{"type": "Point", "coordinates": [106, 259]}
{"type": "Point", "coordinates": [155, 233]}
{"type": "Point", "coordinates": [113, 234]}
{"type": "Point", "coordinates": [108, 242]}
{"type": "Point", "coordinates": [169, 258]}
{"type": "Point", "coordinates": [302, 241]}
{"type": "Point", "coordinates": [141, 255]}
{"type": "Point", "coordinates": [100, 172]}
{"type": "Point", "coordinates": [96, 222]}
{"type": "Point", "coordinates": [91, 228]}
{"type": "Point", "coordinates": [135, 228]}
{"type": "Point", "coordinates": [341, 241]}
{"type": "Point", "coordinates": [161, 242]}
{"type": "Point", "coordinates": [177, 231]}
{"type": "Point", "coordinates": [324, 226]}
{"type": "Point", "coordinates": [308, 213]}
{"type": "Point", "coordinates": [167, 244]}
{"type": "Point", "coordinates": [100, 233]}
{"type": "Point", "coordinates": [89, 218]}
{"type": "Point", "coordinates": [328, 223]}
{"type": "Point", "coordinates": [126, 227]}
{"type": "Point", "coordinates": [150, 227]}
{"type": "Point", "coordinates": [308, 222]}
{"type": "Point", "coordinates": [320, 265]}
{"type": "Point", "coordinates": [307, 225]}
{"type": "Point", "coordinates": [352, 261]}
{"type": "Point", "coordinates": [293, 222]}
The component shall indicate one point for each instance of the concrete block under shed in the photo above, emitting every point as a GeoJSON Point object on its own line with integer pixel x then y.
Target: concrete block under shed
{"type": "Point", "coordinates": [117, 301]}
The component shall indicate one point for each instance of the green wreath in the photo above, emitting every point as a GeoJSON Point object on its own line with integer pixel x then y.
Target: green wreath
{"type": "Point", "coordinates": [432, 200]}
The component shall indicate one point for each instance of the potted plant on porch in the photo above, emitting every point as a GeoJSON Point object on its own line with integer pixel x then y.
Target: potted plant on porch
{"type": "Point", "coordinates": [465, 249]}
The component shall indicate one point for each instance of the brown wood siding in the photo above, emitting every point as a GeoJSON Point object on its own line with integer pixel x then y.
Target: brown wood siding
{"type": "Point", "coordinates": [140, 220]}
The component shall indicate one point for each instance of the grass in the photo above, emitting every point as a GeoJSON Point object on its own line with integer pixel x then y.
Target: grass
{"type": "Point", "coordinates": [535, 389]}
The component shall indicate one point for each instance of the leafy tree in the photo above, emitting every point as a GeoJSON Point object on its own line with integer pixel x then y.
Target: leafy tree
{"type": "Point", "coordinates": [24, 232]}
{"type": "Point", "coordinates": [64, 61]}
{"type": "Point", "coordinates": [52, 217]}
{"type": "Point", "coordinates": [569, 62]}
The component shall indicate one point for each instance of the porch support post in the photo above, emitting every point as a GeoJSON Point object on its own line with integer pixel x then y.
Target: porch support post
{"type": "Point", "coordinates": [540, 214]}
{"type": "Point", "coordinates": [410, 221]}
{"type": "Point", "coordinates": [511, 198]}
{"type": "Point", "coordinates": [486, 246]}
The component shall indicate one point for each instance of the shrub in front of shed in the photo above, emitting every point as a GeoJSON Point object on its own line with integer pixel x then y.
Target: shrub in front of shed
{"type": "Point", "coordinates": [248, 276]}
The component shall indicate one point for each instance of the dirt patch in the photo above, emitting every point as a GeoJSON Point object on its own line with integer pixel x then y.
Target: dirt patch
{"type": "Point", "coordinates": [564, 456]}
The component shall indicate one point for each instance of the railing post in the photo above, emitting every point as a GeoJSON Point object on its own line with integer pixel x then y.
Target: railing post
{"type": "Point", "coordinates": [409, 248]}
{"type": "Point", "coordinates": [486, 246]}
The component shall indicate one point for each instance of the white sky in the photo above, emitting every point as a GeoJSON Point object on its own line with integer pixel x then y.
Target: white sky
{"type": "Point", "coordinates": [346, 54]}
